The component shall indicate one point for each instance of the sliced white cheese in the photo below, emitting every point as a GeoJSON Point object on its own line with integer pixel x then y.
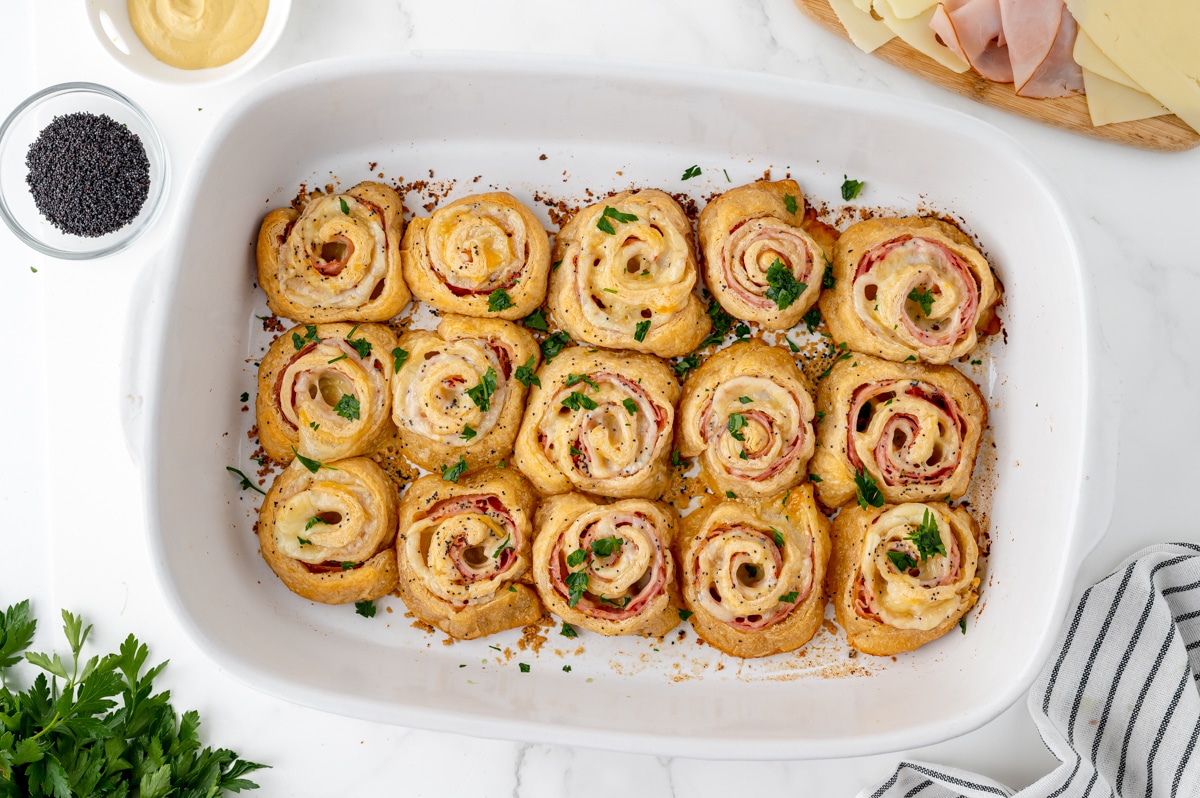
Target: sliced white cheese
{"type": "Point", "coordinates": [1110, 102]}
{"type": "Point", "coordinates": [918, 35]}
{"type": "Point", "coordinates": [865, 31]}
{"type": "Point", "coordinates": [1154, 42]}
{"type": "Point", "coordinates": [907, 9]}
{"type": "Point", "coordinates": [1089, 56]}
{"type": "Point", "coordinates": [862, 5]}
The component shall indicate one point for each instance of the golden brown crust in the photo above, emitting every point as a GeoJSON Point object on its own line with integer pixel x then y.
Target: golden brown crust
{"type": "Point", "coordinates": [339, 260]}
{"type": "Point", "coordinates": [314, 366]}
{"type": "Point", "coordinates": [481, 525]}
{"type": "Point", "coordinates": [630, 586]}
{"type": "Point", "coordinates": [861, 540]}
{"type": "Point", "coordinates": [436, 393]}
{"type": "Point", "coordinates": [457, 257]}
{"type": "Point", "coordinates": [743, 233]}
{"type": "Point", "coordinates": [748, 399]}
{"type": "Point", "coordinates": [642, 271]}
{"type": "Point", "coordinates": [358, 501]}
{"type": "Point", "coordinates": [904, 262]}
{"type": "Point", "coordinates": [920, 430]}
{"type": "Point", "coordinates": [613, 435]}
{"type": "Point", "coordinates": [756, 557]}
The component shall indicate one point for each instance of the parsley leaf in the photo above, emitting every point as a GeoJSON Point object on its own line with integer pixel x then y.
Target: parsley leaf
{"type": "Point", "coordinates": [246, 483]}
{"type": "Point", "coordinates": [812, 319]}
{"type": "Point", "coordinates": [789, 598]}
{"type": "Point", "coordinates": [690, 172]}
{"type": "Point", "coordinates": [453, 472]}
{"type": "Point", "coordinates": [348, 566]}
{"type": "Point", "coordinates": [962, 624]}
{"type": "Point", "coordinates": [686, 364]}
{"type": "Point", "coordinates": [605, 547]}
{"type": "Point", "coordinates": [639, 333]}
{"type": "Point", "coordinates": [536, 321]}
{"type": "Point", "coordinates": [568, 630]}
{"type": "Point", "coordinates": [745, 400]}
{"type": "Point", "coordinates": [785, 288]}
{"type": "Point", "coordinates": [525, 374]}
{"type": "Point", "coordinates": [555, 344]}
{"type": "Point", "coordinates": [777, 536]}
{"type": "Point", "coordinates": [577, 583]}
{"type": "Point", "coordinates": [577, 401]}
{"type": "Point", "coordinates": [310, 336]}
{"type": "Point", "coordinates": [850, 188]}
{"type": "Point", "coordinates": [365, 608]}
{"type": "Point", "coordinates": [901, 560]}
{"type": "Point", "coordinates": [677, 460]}
{"type": "Point", "coordinates": [828, 281]}
{"type": "Point", "coordinates": [789, 202]}
{"type": "Point", "coordinates": [481, 394]}
{"type": "Point", "coordinates": [813, 478]}
{"type": "Point", "coordinates": [316, 519]}
{"type": "Point", "coordinates": [345, 207]}
{"type": "Point", "coordinates": [468, 432]}
{"type": "Point", "coordinates": [735, 424]}
{"type": "Point", "coordinates": [245, 396]}
{"type": "Point", "coordinates": [576, 558]}
{"type": "Point", "coordinates": [730, 494]}
{"type": "Point", "coordinates": [499, 300]}
{"type": "Point", "coordinates": [505, 545]}
{"type": "Point", "coordinates": [342, 356]}
{"type": "Point", "coordinates": [868, 492]}
{"type": "Point", "coordinates": [399, 358]}
{"type": "Point", "coordinates": [524, 666]}
{"type": "Point", "coordinates": [685, 614]}
{"type": "Point", "coordinates": [721, 323]}
{"type": "Point", "coordinates": [928, 538]}
{"type": "Point", "coordinates": [304, 541]}
{"type": "Point", "coordinates": [910, 359]}
{"type": "Point", "coordinates": [575, 379]}
{"type": "Point", "coordinates": [360, 345]}
{"type": "Point", "coordinates": [922, 298]}
{"type": "Point", "coordinates": [347, 407]}
{"type": "Point", "coordinates": [630, 406]}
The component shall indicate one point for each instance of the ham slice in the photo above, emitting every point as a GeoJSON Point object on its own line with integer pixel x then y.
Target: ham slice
{"type": "Point", "coordinates": [973, 30]}
{"type": "Point", "coordinates": [1041, 36]}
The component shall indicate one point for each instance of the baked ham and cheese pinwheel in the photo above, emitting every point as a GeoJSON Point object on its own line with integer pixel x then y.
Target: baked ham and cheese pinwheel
{"type": "Point", "coordinates": [753, 574]}
{"type": "Point", "coordinates": [484, 255]}
{"type": "Point", "coordinates": [748, 413]}
{"type": "Point", "coordinates": [902, 575]}
{"type": "Point", "coordinates": [328, 533]}
{"type": "Point", "coordinates": [459, 392]}
{"type": "Point", "coordinates": [908, 429]}
{"type": "Point", "coordinates": [626, 276]}
{"type": "Point", "coordinates": [599, 422]}
{"type": "Point", "coordinates": [323, 391]}
{"type": "Point", "coordinates": [463, 552]}
{"type": "Point", "coordinates": [909, 288]}
{"type": "Point", "coordinates": [607, 567]}
{"type": "Point", "coordinates": [339, 260]}
{"type": "Point", "coordinates": [759, 261]}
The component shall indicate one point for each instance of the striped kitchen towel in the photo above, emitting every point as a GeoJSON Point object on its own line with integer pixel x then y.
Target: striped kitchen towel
{"type": "Point", "coordinates": [1118, 702]}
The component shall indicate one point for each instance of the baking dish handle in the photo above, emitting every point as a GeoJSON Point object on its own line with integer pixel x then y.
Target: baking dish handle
{"type": "Point", "coordinates": [145, 309]}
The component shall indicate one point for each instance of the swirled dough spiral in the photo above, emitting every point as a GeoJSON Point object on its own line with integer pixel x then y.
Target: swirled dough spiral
{"type": "Point", "coordinates": [743, 233]}
{"type": "Point", "coordinates": [913, 429]}
{"type": "Point", "coordinates": [463, 552]}
{"type": "Point", "coordinates": [884, 608]}
{"type": "Point", "coordinates": [748, 414]}
{"type": "Point", "coordinates": [608, 432]}
{"type": "Point", "coordinates": [323, 391]}
{"type": "Point", "coordinates": [640, 273]}
{"type": "Point", "coordinates": [328, 535]}
{"type": "Point", "coordinates": [886, 268]}
{"type": "Point", "coordinates": [465, 251]}
{"type": "Point", "coordinates": [753, 574]}
{"type": "Point", "coordinates": [624, 582]}
{"type": "Point", "coordinates": [339, 260]}
{"type": "Point", "coordinates": [439, 406]}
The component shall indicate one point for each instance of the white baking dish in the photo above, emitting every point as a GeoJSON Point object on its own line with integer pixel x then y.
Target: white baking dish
{"type": "Point", "coordinates": [602, 126]}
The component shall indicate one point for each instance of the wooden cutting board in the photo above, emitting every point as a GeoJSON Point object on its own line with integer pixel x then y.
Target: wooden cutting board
{"type": "Point", "coordinates": [1166, 133]}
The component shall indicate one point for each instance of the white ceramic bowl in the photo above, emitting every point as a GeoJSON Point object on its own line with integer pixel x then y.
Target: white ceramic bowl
{"type": "Point", "coordinates": [557, 127]}
{"type": "Point", "coordinates": [110, 23]}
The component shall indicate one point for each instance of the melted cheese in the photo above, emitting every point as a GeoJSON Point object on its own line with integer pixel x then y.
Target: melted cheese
{"type": "Point", "coordinates": [918, 35]}
{"type": "Point", "coordinates": [1110, 102]}
{"type": "Point", "coordinates": [867, 33]}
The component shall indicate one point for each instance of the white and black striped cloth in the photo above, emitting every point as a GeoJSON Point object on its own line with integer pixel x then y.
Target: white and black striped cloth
{"type": "Point", "coordinates": [1118, 702]}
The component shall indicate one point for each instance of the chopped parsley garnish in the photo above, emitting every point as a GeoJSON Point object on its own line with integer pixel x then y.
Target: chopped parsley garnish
{"type": "Point", "coordinates": [576, 582]}
{"type": "Point", "coordinates": [577, 401]}
{"type": "Point", "coordinates": [345, 207]}
{"type": "Point", "coordinates": [828, 281]}
{"type": "Point", "coordinates": [639, 332]}
{"type": "Point", "coordinates": [536, 321]}
{"type": "Point", "coordinates": [685, 614]}
{"type": "Point", "coordinates": [399, 358]}
{"type": "Point", "coordinates": [868, 492]}
{"type": "Point", "coordinates": [690, 172]}
{"type": "Point", "coordinates": [745, 400]}
{"type": "Point", "coordinates": [850, 188]}
{"type": "Point", "coordinates": [922, 298]}
{"type": "Point", "coordinates": [605, 547]}
{"type": "Point", "coordinates": [361, 345]}
{"type": "Point", "coordinates": [676, 459]}
{"type": "Point", "coordinates": [735, 424]}
{"type": "Point", "coordinates": [365, 608]}
{"type": "Point", "coordinates": [777, 536]}
{"type": "Point", "coordinates": [468, 432]}
{"type": "Point", "coordinates": [347, 407]}
{"type": "Point", "coordinates": [610, 290]}
{"type": "Point", "coordinates": [481, 394]}
{"type": "Point", "coordinates": [524, 666]}
{"type": "Point", "coordinates": [901, 560]}
{"type": "Point", "coordinates": [245, 396]}
{"type": "Point", "coordinates": [555, 344]}
{"type": "Point", "coordinates": [742, 331]}
{"type": "Point", "coordinates": [686, 364]}
{"type": "Point", "coordinates": [576, 558]}
{"type": "Point", "coordinates": [499, 300]}
{"type": "Point", "coordinates": [574, 450]}
{"type": "Point", "coordinates": [726, 171]}
{"type": "Point", "coordinates": [452, 473]}
{"type": "Point", "coordinates": [316, 519]}
{"type": "Point", "coordinates": [304, 541]}
{"type": "Point", "coordinates": [812, 319]}
{"type": "Point", "coordinates": [814, 478]}
{"type": "Point", "coordinates": [910, 358]}
{"type": "Point", "coordinates": [721, 323]}
{"type": "Point", "coordinates": [630, 406]}
{"type": "Point", "coordinates": [962, 624]}
{"type": "Point", "coordinates": [568, 630]}
{"type": "Point", "coordinates": [742, 454]}
{"type": "Point", "coordinates": [575, 379]}
{"type": "Point", "coordinates": [785, 288]}
{"type": "Point", "coordinates": [348, 566]}
{"type": "Point", "coordinates": [505, 545]}
{"type": "Point", "coordinates": [791, 345]}
{"type": "Point", "coordinates": [622, 602]}
{"type": "Point", "coordinates": [612, 213]}
{"type": "Point", "coordinates": [342, 356]}
{"type": "Point", "coordinates": [789, 202]}
{"type": "Point", "coordinates": [752, 571]}
{"type": "Point", "coordinates": [313, 466]}
{"type": "Point", "coordinates": [566, 668]}
{"type": "Point", "coordinates": [526, 376]}
{"type": "Point", "coordinates": [928, 538]}
{"type": "Point", "coordinates": [730, 494]}
{"type": "Point", "coordinates": [819, 417]}
{"type": "Point", "coordinates": [310, 336]}
{"type": "Point", "coordinates": [246, 483]}
{"type": "Point", "coordinates": [789, 598]}
{"type": "Point", "coordinates": [554, 266]}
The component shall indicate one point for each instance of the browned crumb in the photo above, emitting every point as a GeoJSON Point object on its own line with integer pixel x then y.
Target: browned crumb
{"type": "Point", "coordinates": [542, 157]}
{"type": "Point", "coordinates": [533, 636]}
{"type": "Point", "coordinates": [424, 627]}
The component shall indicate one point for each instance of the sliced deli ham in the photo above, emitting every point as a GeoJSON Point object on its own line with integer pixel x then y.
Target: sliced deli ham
{"type": "Point", "coordinates": [974, 31]}
{"type": "Point", "coordinates": [1041, 36]}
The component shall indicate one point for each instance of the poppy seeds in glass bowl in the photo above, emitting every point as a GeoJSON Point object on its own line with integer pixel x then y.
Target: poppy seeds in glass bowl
{"type": "Point", "coordinates": [88, 174]}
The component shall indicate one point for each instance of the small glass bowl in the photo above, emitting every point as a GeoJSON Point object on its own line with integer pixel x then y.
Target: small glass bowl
{"type": "Point", "coordinates": [22, 128]}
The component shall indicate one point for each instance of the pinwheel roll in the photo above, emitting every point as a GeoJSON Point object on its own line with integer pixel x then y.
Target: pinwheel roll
{"type": "Point", "coordinates": [458, 393]}
{"type": "Point", "coordinates": [902, 575]}
{"type": "Point", "coordinates": [910, 430]}
{"type": "Point", "coordinates": [339, 260]}
{"type": "Point", "coordinates": [463, 552]}
{"type": "Point", "coordinates": [759, 261]}
{"type": "Point", "coordinates": [608, 567]}
{"type": "Point", "coordinates": [484, 255]}
{"type": "Point", "coordinates": [599, 422]}
{"type": "Point", "coordinates": [323, 391]}
{"type": "Point", "coordinates": [626, 276]}
{"type": "Point", "coordinates": [909, 288]}
{"type": "Point", "coordinates": [749, 415]}
{"type": "Point", "coordinates": [328, 533]}
{"type": "Point", "coordinates": [753, 575]}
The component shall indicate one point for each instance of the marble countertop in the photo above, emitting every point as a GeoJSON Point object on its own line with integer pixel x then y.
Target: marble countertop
{"type": "Point", "coordinates": [73, 528]}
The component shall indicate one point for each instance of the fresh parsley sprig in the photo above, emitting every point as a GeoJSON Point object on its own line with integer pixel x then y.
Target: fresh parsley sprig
{"type": "Point", "coordinates": [604, 225]}
{"type": "Point", "coordinates": [481, 394]}
{"type": "Point", "coordinates": [525, 374]}
{"type": "Point", "coordinates": [785, 288]}
{"type": "Point", "coordinates": [928, 538]}
{"type": "Point", "coordinates": [246, 483]}
{"type": "Point", "coordinates": [499, 300]}
{"type": "Point", "coordinates": [868, 493]}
